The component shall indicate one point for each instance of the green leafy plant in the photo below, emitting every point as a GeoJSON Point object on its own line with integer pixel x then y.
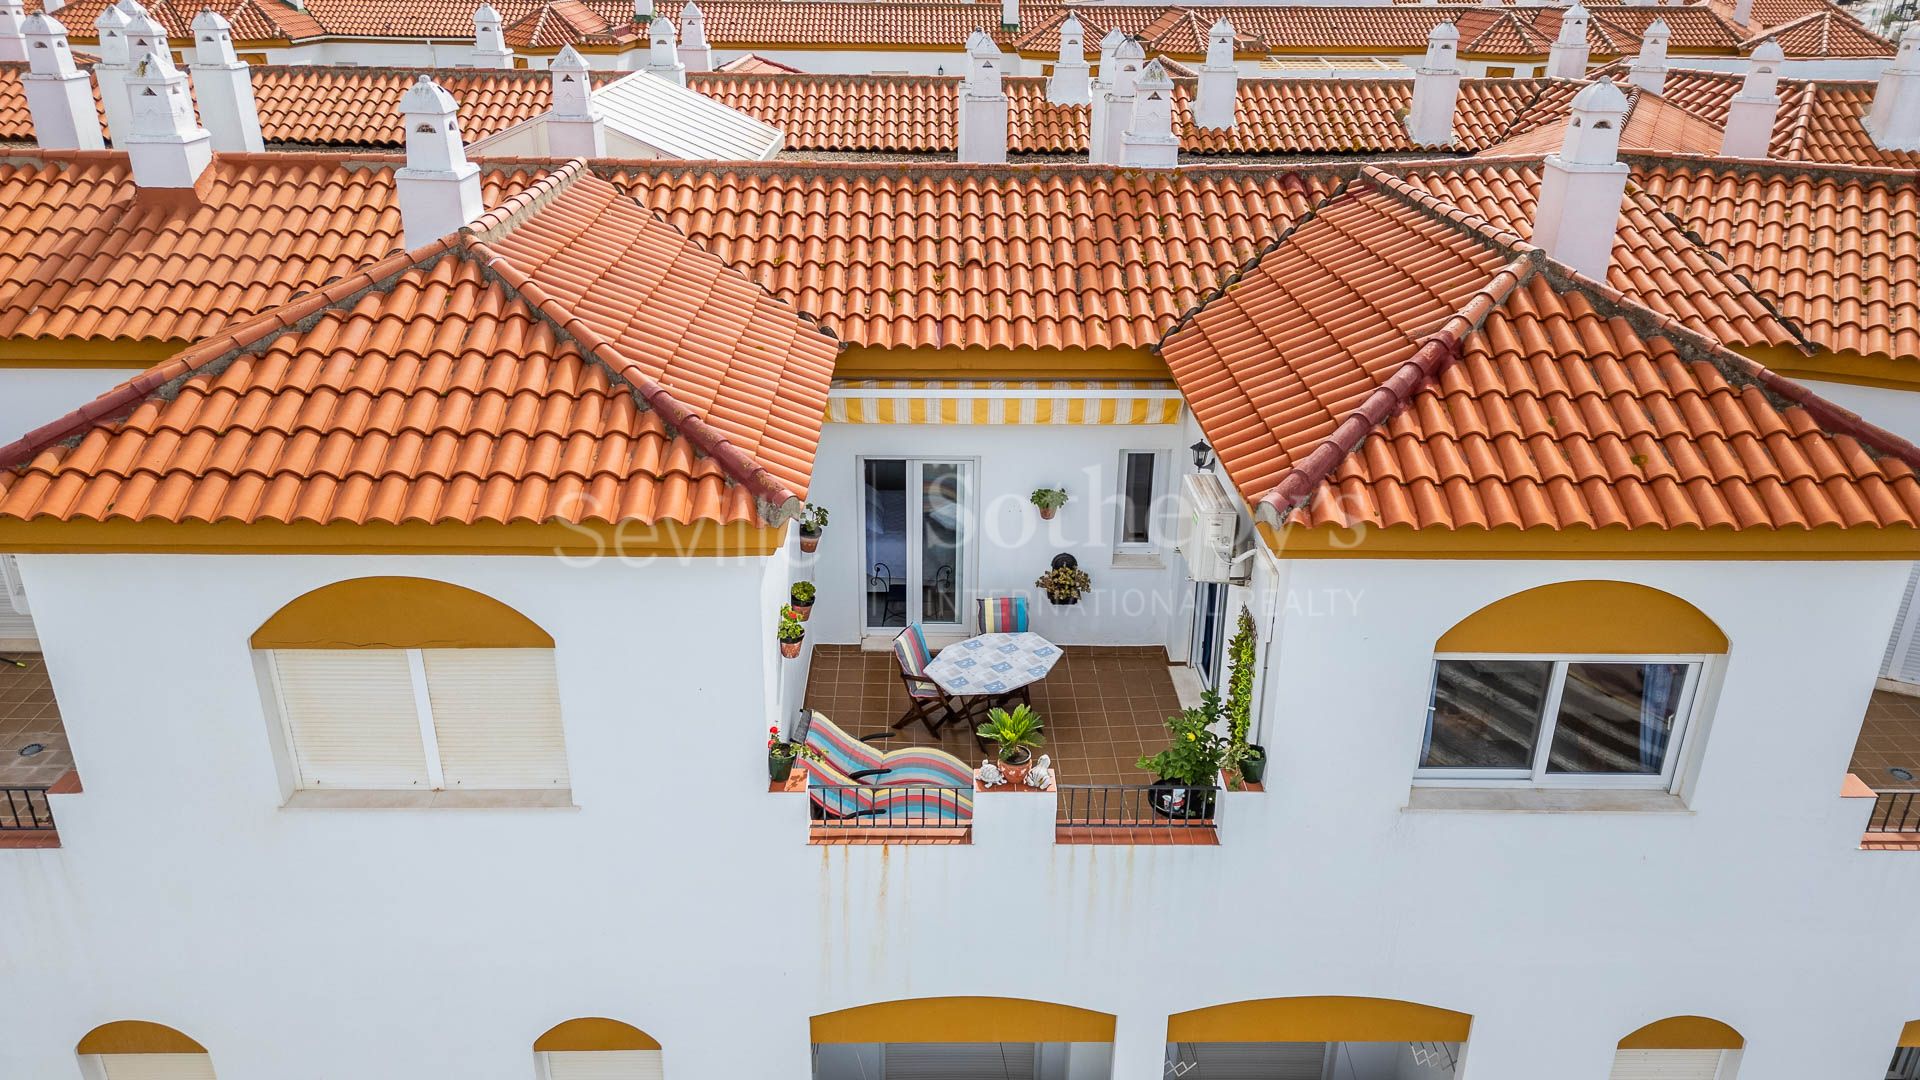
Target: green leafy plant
{"type": "Point", "coordinates": [802, 593]}
{"type": "Point", "coordinates": [1241, 658]}
{"type": "Point", "coordinates": [1197, 752]}
{"type": "Point", "coordinates": [1064, 584]}
{"type": "Point", "coordinates": [791, 629]}
{"type": "Point", "coordinates": [1014, 731]}
{"type": "Point", "coordinates": [1049, 498]}
{"type": "Point", "coordinates": [813, 519]}
{"type": "Point", "coordinates": [783, 750]}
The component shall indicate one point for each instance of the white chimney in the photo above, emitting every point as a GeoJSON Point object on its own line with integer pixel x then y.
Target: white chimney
{"type": "Point", "coordinates": [1113, 101]}
{"type": "Point", "coordinates": [1894, 119]}
{"type": "Point", "coordinates": [489, 43]}
{"type": "Point", "coordinates": [1219, 80]}
{"type": "Point", "coordinates": [1109, 52]}
{"type": "Point", "coordinates": [663, 58]}
{"type": "Point", "coordinates": [144, 36]}
{"type": "Point", "coordinates": [575, 127]}
{"type": "Point", "coordinates": [695, 53]}
{"type": "Point", "coordinates": [1742, 12]}
{"type": "Point", "coordinates": [1751, 113]}
{"type": "Point", "coordinates": [1149, 142]}
{"type": "Point", "coordinates": [13, 36]}
{"type": "Point", "coordinates": [223, 86]}
{"type": "Point", "coordinates": [110, 29]}
{"type": "Point", "coordinates": [1009, 14]}
{"type": "Point", "coordinates": [983, 104]}
{"type": "Point", "coordinates": [1649, 70]}
{"type": "Point", "coordinates": [1568, 55]}
{"type": "Point", "coordinates": [642, 11]}
{"type": "Point", "coordinates": [58, 95]}
{"type": "Point", "coordinates": [439, 188]}
{"type": "Point", "coordinates": [167, 147]}
{"type": "Point", "coordinates": [1068, 85]}
{"type": "Point", "coordinates": [1581, 186]}
{"type": "Point", "coordinates": [1436, 88]}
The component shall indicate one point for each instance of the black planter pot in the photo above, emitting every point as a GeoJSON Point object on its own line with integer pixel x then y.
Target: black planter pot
{"type": "Point", "coordinates": [779, 768]}
{"type": "Point", "coordinates": [1062, 601]}
{"type": "Point", "coordinates": [1174, 799]}
{"type": "Point", "coordinates": [1254, 769]}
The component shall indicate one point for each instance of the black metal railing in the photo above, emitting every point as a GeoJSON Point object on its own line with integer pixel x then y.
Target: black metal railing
{"type": "Point", "coordinates": [1895, 811]}
{"type": "Point", "coordinates": [891, 806]}
{"type": "Point", "coordinates": [1137, 806]}
{"type": "Point", "coordinates": [25, 809]}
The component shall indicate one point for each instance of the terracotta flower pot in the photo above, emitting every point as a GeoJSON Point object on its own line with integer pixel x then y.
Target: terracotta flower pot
{"type": "Point", "coordinates": [801, 611]}
{"type": "Point", "coordinates": [790, 649]}
{"type": "Point", "coordinates": [809, 541]}
{"type": "Point", "coordinates": [1047, 512]}
{"type": "Point", "coordinates": [1016, 771]}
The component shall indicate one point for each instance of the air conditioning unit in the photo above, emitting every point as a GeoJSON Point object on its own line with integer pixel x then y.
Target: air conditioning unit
{"type": "Point", "coordinates": [1208, 525]}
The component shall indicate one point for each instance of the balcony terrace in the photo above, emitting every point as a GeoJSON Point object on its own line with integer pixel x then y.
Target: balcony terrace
{"type": "Point", "coordinates": [34, 756]}
{"type": "Point", "coordinates": [1886, 758]}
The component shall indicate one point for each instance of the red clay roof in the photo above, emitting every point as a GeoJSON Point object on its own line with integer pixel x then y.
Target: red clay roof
{"type": "Point", "coordinates": [755, 64]}
{"type": "Point", "coordinates": [1396, 362]}
{"type": "Point", "coordinates": [567, 358]}
{"type": "Point", "coordinates": [252, 20]}
{"type": "Point", "coordinates": [92, 257]}
{"type": "Point", "coordinates": [1654, 124]}
{"type": "Point", "coordinates": [1826, 34]}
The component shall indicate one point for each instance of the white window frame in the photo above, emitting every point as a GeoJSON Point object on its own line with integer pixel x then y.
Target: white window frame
{"type": "Point", "coordinates": [916, 539]}
{"type": "Point", "coordinates": [1537, 776]}
{"type": "Point", "coordinates": [1121, 546]}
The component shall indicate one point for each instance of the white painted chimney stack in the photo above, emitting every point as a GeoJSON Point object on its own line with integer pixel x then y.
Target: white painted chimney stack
{"type": "Point", "coordinates": [663, 57]}
{"type": "Point", "coordinates": [575, 127]}
{"type": "Point", "coordinates": [1009, 14]}
{"type": "Point", "coordinates": [489, 43]}
{"type": "Point", "coordinates": [110, 29]}
{"type": "Point", "coordinates": [1219, 80]}
{"type": "Point", "coordinates": [1436, 88]}
{"type": "Point", "coordinates": [1581, 186]}
{"type": "Point", "coordinates": [1113, 102]}
{"type": "Point", "coordinates": [13, 34]}
{"type": "Point", "coordinates": [1149, 142]}
{"type": "Point", "coordinates": [1649, 70]}
{"type": "Point", "coordinates": [1894, 118]}
{"type": "Point", "coordinates": [695, 53]}
{"type": "Point", "coordinates": [643, 11]}
{"type": "Point", "coordinates": [1742, 12]}
{"type": "Point", "coordinates": [1069, 83]}
{"type": "Point", "coordinates": [983, 103]}
{"type": "Point", "coordinates": [224, 87]}
{"type": "Point", "coordinates": [167, 147]}
{"type": "Point", "coordinates": [58, 94]}
{"type": "Point", "coordinates": [1567, 57]}
{"type": "Point", "coordinates": [144, 36]}
{"type": "Point", "coordinates": [1751, 113]}
{"type": "Point", "coordinates": [439, 188]}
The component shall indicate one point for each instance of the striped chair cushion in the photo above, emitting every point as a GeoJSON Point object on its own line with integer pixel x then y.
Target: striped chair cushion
{"type": "Point", "coordinates": [840, 750]}
{"type": "Point", "coordinates": [910, 648]}
{"type": "Point", "coordinates": [1003, 614]}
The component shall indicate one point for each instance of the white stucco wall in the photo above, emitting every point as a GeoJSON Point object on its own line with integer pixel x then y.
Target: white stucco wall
{"type": "Point", "coordinates": [680, 896]}
{"type": "Point", "coordinates": [30, 397]}
{"type": "Point", "coordinates": [1896, 410]}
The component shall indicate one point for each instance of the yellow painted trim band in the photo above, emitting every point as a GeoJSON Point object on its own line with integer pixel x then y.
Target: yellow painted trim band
{"type": "Point", "coordinates": [698, 539]}
{"type": "Point", "coordinates": [137, 1037]}
{"type": "Point", "coordinates": [880, 362]}
{"type": "Point", "coordinates": [997, 402]}
{"type": "Point", "coordinates": [398, 613]}
{"type": "Point", "coordinates": [1892, 542]}
{"type": "Point", "coordinates": [1910, 1034]}
{"type": "Point", "coordinates": [87, 352]}
{"type": "Point", "coordinates": [1586, 617]}
{"type": "Point", "coordinates": [1684, 1033]}
{"type": "Point", "coordinates": [594, 1033]}
{"type": "Point", "coordinates": [962, 1020]}
{"type": "Point", "coordinates": [1849, 368]}
{"type": "Point", "coordinates": [1319, 1019]}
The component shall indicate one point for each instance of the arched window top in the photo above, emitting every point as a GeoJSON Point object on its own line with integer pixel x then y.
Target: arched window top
{"type": "Point", "coordinates": [1684, 1033]}
{"type": "Point", "coordinates": [594, 1033]}
{"type": "Point", "coordinates": [1586, 617]}
{"type": "Point", "coordinates": [962, 1020]}
{"type": "Point", "coordinates": [1319, 1019]}
{"type": "Point", "coordinates": [137, 1037]}
{"type": "Point", "coordinates": [398, 613]}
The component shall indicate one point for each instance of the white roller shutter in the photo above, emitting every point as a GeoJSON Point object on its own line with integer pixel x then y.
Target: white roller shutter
{"type": "Point", "coordinates": [1254, 1061]}
{"type": "Point", "coordinates": [352, 717]}
{"type": "Point", "coordinates": [1902, 660]}
{"type": "Point", "coordinates": [604, 1065]}
{"type": "Point", "coordinates": [157, 1066]}
{"type": "Point", "coordinates": [1665, 1064]}
{"type": "Point", "coordinates": [959, 1061]}
{"type": "Point", "coordinates": [496, 714]}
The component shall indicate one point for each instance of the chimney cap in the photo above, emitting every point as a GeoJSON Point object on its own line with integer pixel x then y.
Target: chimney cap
{"type": "Point", "coordinates": [1154, 76]}
{"type": "Point", "coordinates": [660, 29]}
{"type": "Point", "coordinates": [1130, 48]}
{"type": "Point", "coordinates": [155, 66]}
{"type": "Point", "coordinates": [1768, 50]}
{"type": "Point", "coordinates": [569, 60]}
{"type": "Point", "coordinates": [110, 18]}
{"type": "Point", "coordinates": [1114, 37]}
{"type": "Point", "coordinates": [208, 19]}
{"type": "Point", "coordinates": [1221, 28]}
{"type": "Point", "coordinates": [1071, 24]}
{"type": "Point", "coordinates": [690, 12]}
{"type": "Point", "coordinates": [1600, 97]}
{"type": "Point", "coordinates": [486, 15]}
{"type": "Point", "coordinates": [1658, 28]}
{"type": "Point", "coordinates": [426, 96]}
{"type": "Point", "coordinates": [139, 22]}
{"type": "Point", "coordinates": [981, 45]}
{"type": "Point", "coordinates": [1443, 31]}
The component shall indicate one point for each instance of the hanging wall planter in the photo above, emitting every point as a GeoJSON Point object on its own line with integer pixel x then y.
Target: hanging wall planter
{"type": "Point", "coordinates": [1065, 583]}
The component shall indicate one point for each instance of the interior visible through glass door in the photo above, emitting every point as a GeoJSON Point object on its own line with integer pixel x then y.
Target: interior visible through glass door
{"type": "Point", "coordinates": [915, 537]}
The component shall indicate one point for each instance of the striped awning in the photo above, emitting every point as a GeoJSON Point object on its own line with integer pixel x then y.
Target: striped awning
{"type": "Point", "coordinates": [926, 401]}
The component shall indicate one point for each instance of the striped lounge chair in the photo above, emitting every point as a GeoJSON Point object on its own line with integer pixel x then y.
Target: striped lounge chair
{"type": "Point", "coordinates": [914, 785]}
{"type": "Point", "coordinates": [1002, 614]}
{"type": "Point", "coordinates": [926, 702]}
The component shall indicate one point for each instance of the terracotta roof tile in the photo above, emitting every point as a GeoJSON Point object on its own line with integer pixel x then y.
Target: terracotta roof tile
{"type": "Point", "coordinates": [1831, 33]}
{"type": "Point", "coordinates": [754, 64]}
{"type": "Point", "coordinates": [360, 103]}
{"type": "Point", "coordinates": [1768, 13]}
{"type": "Point", "coordinates": [253, 21]}
{"type": "Point", "coordinates": [1392, 364]}
{"type": "Point", "coordinates": [1654, 124]}
{"type": "Point", "coordinates": [568, 358]}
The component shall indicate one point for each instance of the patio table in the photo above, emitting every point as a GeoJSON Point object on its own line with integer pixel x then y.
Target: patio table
{"type": "Point", "coordinates": [993, 663]}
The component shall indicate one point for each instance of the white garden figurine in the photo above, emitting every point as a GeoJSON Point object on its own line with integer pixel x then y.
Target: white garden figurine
{"type": "Point", "coordinates": [1040, 777]}
{"type": "Point", "coordinates": [989, 774]}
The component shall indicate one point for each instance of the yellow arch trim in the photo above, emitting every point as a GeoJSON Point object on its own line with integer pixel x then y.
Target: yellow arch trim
{"type": "Point", "coordinates": [137, 1037]}
{"type": "Point", "coordinates": [962, 1019]}
{"type": "Point", "coordinates": [398, 613]}
{"type": "Point", "coordinates": [1586, 617]}
{"type": "Point", "coordinates": [1910, 1035]}
{"type": "Point", "coordinates": [1684, 1033]}
{"type": "Point", "coordinates": [1319, 1019]}
{"type": "Point", "coordinates": [594, 1033]}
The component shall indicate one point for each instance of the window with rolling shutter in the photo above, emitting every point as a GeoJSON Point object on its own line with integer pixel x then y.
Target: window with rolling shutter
{"type": "Point", "coordinates": [352, 718]}
{"type": "Point", "coordinates": [157, 1066]}
{"type": "Point", "coordinates": [1902, 660]}
{"type": "Point", "coordinates": [1252, 1061]}
{"type": "Point", "coordinates": [959, 1061]}
{"type": "Point", "coordinates": [1665, 1064]}
{"type": "Point", "coordinates": [496, 715]}
{"type": "Point", "coordinates": [603, 1065]}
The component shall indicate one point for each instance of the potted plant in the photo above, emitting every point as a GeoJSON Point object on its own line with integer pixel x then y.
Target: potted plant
{"type": "Point", "coordinates": [1248, 759]}
{"type": "Point", "coordinates": [813, 521]}
{"type": "Point", "coordinates": [791, 633]}
{"type": "Point", "coordinates": [801, 599]}
{"type": "Point", "coordinates": [1186, 774]}
{"type": "Point", "coordinates": [1017, 734]}
{"type": "Point", "coordinates": [1065, 582]}
{"type": "Point", "coordinates": [1049, 500]}
{"type": "Point", "coordinates": [781, 755]}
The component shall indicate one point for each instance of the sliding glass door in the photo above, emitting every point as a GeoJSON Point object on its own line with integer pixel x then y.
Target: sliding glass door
{"type": "Point", "coordinates": [915, 525]}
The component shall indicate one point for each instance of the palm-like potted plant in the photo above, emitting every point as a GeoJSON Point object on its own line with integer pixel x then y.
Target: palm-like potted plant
{"type": "Point", "coordinates": [813, 522]}
{"type": "Point", "coordinates": [1049, 500]}
{"type": "Point", "coordinates": [1187, 773]}
{"type": "Point", "coordinates": [1017, 735]}
{"type": "Point", "coordinates": [800, 599]}
{"type": "Point", "coordinates": [791, 632]}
